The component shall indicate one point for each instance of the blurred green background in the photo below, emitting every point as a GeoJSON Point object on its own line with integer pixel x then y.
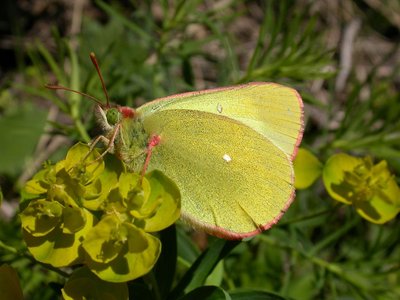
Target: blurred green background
{"type": "Point", "coordinates": [342, 56]}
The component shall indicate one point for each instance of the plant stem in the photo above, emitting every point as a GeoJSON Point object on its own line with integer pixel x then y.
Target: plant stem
{"type": "Point", "coordinates": [82, 130]}
{"type": "Point", "coordinates": [308, 217]}
{"type": "Point", "coordinates": [151, 279]}
{"type": "Point", "coordinates": [8, 248]}
{"type": "Point", "coordinates": [32, 259]}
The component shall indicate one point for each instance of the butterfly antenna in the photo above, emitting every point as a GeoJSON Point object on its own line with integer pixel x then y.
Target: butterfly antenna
{"type": "Point", "coordinates": [96, 65]}
{"type": "Point", "coordinates": [59, 87]}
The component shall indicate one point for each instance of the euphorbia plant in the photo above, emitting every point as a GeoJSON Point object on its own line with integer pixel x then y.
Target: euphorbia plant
{"type": "Point", "coordinates": [85, 210]}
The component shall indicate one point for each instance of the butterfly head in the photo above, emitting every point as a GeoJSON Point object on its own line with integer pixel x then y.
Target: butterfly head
{"type": "Point", "coordinates": [113, 116]}
{"type": "Point", "coordinates": [108, 117]}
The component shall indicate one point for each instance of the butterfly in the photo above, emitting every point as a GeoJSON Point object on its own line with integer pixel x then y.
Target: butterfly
{"type": "Point", "coordinates": [229, 150]}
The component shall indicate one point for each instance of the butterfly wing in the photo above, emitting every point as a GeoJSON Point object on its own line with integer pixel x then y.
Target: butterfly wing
{"type": "Point", "coordinates": [273, 110]}
{"type": "Point", "coordinates": [234, 180]}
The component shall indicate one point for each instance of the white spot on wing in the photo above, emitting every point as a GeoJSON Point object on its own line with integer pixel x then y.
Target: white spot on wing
{"type": "Point", "coordinates": [219, 108]}
{"type": "Point", "coordinates": [227, 158]}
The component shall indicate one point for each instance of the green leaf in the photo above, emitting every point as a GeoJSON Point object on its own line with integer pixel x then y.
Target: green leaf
{"type": "Point", "coordinates": [73, 219]}
{"type": "Point", "coordinates": [82, 164]}
{"type": "Point", "coordinates": [254, 295]}
{"type": "Point", "coordinates": [334, 171]}
{"type": "Point", "coordinates": [57, 248]}
{"type": "Point", "coordinates": [165, 268]}
{"type": "Point", "coordinates": [207, 293]}
{"type": "Point", "coordinates": [119, 251]}
{"type": "Point", "coordinates": [165, 194]}
{"type": "Point", "coordinates": [307, 169]}
{"type": "Point", "coordinates": [217, 275]}
{"type": "Point", "coordinates": [41, 217]}
{"type": "Point", "coordinates": [187, 250]}
{"type": "Point", "coordinates": [128, 183]}
{"type": "Point", "coordinates": [10, 287]}
{"type": "Point", "coordinates": [67, 190]}
{"type": "Point", "coordinates": [97, 192]}
{"type": "Point", "coordinates": [105, 241]}
{"type": "Point", "coordinates": [42, 180]}
{"type": "Point", "coordinates": [19, 133]}
{"type": "Point", "coordinates": [37, 185]}
{"type": "Point", "coordinates": [202, 267]}
{"type": "Point", "coordinates": [83, 284]}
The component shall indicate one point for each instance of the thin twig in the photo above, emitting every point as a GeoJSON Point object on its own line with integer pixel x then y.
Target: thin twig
{"type": "Point", "coordinates": [54, 144]}
{"type": "Point", "coordinates": [46, 136]}
{"type": "Point", "coordinates": [76, 22]}
{"type": "Point", "coordinates": [346, 52]}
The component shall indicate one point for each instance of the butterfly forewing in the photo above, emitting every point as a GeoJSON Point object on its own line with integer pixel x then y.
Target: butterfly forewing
{"type": "Point", "coordinates": [273, 110]}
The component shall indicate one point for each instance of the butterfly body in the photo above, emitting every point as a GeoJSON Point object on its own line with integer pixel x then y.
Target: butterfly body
{"type": "Point", "coordinates": [229, 151]}
{"type": "Point", "coordinates": [124, 135]}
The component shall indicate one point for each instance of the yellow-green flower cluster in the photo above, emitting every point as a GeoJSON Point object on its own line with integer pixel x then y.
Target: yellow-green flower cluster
{"type": "Point", "coordinates": [84, 210]}
{"type": "Point", "coordinates": [369, 187]}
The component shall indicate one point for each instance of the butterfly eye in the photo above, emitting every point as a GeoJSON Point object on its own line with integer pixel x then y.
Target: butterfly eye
{"type": "Point", "coordinates": [113, 116]}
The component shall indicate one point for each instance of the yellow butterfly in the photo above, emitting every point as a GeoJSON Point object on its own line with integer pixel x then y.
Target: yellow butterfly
{"type": "Point", "coordinates": [229, 150]}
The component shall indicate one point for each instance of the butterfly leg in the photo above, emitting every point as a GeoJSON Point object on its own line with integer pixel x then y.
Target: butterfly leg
{"type": "Point", "coordinates": [98, 139]}
{"type": "Point", "coordinates": [105, 141]}
{"type": "Point", "coordinates": [154, 141]}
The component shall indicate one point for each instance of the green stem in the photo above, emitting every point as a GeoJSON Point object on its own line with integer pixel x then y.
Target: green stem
{"type": "Point", "coordinates": [335, 269]}
{"type": "Point", "coordinates": [150, 278]}
{"type": "Point", "coordinates": [82, 130]}
{"type": "Point", "coordinates": [51, 268]}
{"type": "Point", "coordinates": [32, 259]}
{"type": "Point", "coordinates": [8, 248]}
{"type": "Point", "coordinates": [308, 217]}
